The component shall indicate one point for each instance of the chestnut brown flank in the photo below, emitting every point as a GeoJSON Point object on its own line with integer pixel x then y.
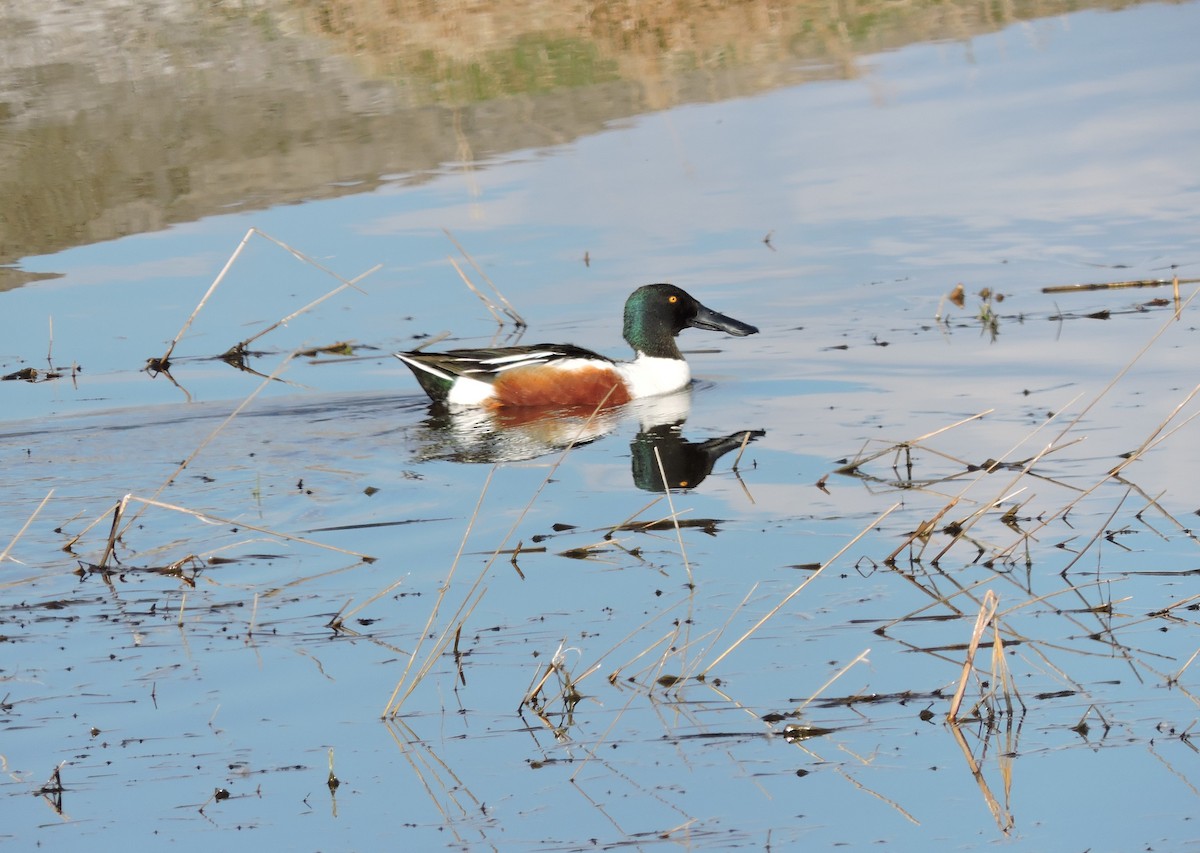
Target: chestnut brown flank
{"type": "Point", "coordinates": [541, 386]}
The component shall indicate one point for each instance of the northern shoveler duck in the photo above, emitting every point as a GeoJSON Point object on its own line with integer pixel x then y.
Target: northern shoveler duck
{"type": "Point", "coordinates": [566, 375]}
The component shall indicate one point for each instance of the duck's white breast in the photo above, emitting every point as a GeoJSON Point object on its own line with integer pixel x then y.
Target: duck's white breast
{"type": "Point", "coordinates": [647, 376]}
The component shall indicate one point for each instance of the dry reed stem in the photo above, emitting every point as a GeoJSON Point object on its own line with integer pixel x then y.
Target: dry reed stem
{"type": "Point", "coordinates": [859, 461]}
{"type": "Point", "coordinates": [229, 265]}
{"type": "Point", "coordinates": [665, 638]}
{"type": "Point", "coordinates": [487, 303]}
{"type": "Point", "coordinates": [1150, 440]}
{"type": "Point", "coordinates": [453, 627]}
{"type": "Point", "coordinates": [938, 599]}
{"type": "Point", "coordinates": [602, 738]}
{"type": "Point", "coordinates": [737, 459]}
{"type": "Point", "coordinates": [424, 762]}
{"type": "Point", "coordinates": [1160, 439]}
{"type": "Point", "coordinates": [1048, 519]}
{"type": "Point", "coordinates": [1008, 487]}
{"type": "Point", "coordinates": [905, 813]}
{"type": "Point", "coordinates": [948, 427]}
{"type": "Point", "coordinates": [285, 320]}
{"type": "Point", "coordinates": [370, 600]}
{"type": "Point", "coordinates": [662, 613]}
{"type": "Point", "coordinates": [987, 612]}
{"type": "Point", "coordinates": [8, 550]}
{"type": "Point", "coordinates": [1040, 599]}
{"type": "Point", "coordinates": [508, 308]}
{"type": "Point", "coordinates": [209, 518]}
{"type": "Point", "coordinates": [623, 525]}
{"type": "Point", "coordinates": [118, 511]}
{"type": "Point", "coordinates": [1001, 679]}
{"type": "Point", "coordinates": [428, 342]}
{"type": "Point", "coordinates": [797, 590]}
{"type": "Point", "coordinates": [720, 632]}
{"type": "Point", "coordinates": [303, 258]}
{"type": "Point", "coordinates": [208, 293]}
{"type": "Point", "coordinates": [208, 439]}
{"type": "Point", "coordinates": [393, 704]}
{"type": "Point", "coordinates": [1116, 285]}
{"type": "Point", "coordinates": [1179, 673]}
{"type": "Point", "coordinates": [662, 472]}
{"type": "Point", "coordinates": [1099, 531]}
{"type": "Point", "coordinates": [1003, 818]}
{"type": "Point", "coordinates": [924, 529]}
{"type": "Point", "coordinates": [862, 657]}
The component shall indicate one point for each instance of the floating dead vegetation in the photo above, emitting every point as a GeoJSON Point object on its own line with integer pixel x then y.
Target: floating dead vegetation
{"type": "Point", "coordinates": [50, 372]}
{"type": "Point", "coordinates": [990, 319]}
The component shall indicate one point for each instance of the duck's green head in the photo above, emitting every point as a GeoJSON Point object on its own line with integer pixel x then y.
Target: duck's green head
{"type": "Point", "coordinates": [656, 313]}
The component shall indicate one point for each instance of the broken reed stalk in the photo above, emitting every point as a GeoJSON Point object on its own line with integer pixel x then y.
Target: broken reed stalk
{"type": "Point", "coordinates": [987, 613]}
{"type": "Point", "coordinates": [508, 308]}
{"type": "Point", "coordinates": [118, 511]}
{"type": "Point", "coordinates": [4, 554]}
{"type": "Point", "coordinates": [878, 519]}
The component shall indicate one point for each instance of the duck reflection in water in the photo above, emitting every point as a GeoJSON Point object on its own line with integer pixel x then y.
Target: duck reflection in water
{"type": "Point", "coordinates": [518, 434]}
{"type": "Point", "coordinates": [685, 463]}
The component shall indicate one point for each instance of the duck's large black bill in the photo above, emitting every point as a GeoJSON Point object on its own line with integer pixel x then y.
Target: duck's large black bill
{"type": "Point", "coordinates": [706, 318]}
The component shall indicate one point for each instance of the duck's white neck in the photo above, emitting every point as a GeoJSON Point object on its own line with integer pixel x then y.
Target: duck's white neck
{"type": "Point", "coordinates": [647, 376]}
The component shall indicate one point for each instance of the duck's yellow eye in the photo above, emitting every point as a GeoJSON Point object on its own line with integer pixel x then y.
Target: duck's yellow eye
{"type": "Point", "coordinates": [672, 298]}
